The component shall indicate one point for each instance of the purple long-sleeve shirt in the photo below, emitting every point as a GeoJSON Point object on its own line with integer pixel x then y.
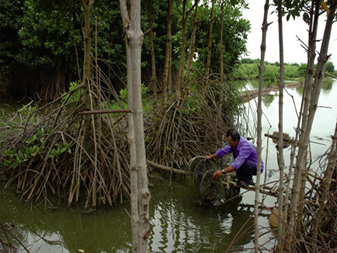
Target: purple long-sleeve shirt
{"type": "Point", "coordinates": [244, 151]}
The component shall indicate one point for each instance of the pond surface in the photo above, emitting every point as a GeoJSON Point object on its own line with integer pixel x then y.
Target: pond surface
{"type": "Point", "coordinates": [323, 126]}
{"type": "Point", "coordinates": [180, 221]}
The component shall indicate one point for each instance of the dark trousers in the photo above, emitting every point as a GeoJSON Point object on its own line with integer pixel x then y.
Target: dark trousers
{"type": "Point", "coordinates": [246, 171]}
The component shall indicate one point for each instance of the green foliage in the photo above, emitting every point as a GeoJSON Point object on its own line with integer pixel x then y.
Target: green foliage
{"type": "Point", "coordinates": [235, 35]}
{"type": "Point", "coordinates": [291, 8]}
{"type": "Point", "coordinates": [147, 107]}
{"type": "Point", "coordinates": [44, 34]}
{"type": "Point", "coordinates": [248, 69]}
{"type": "Point", "coordinates": [73, 96]}
{"type": "Point", "coordinates": [291, 71]}
{"type": "Point", "coordinates": [329, 67]}
{"type": "Point", "coordinates": [159, 24]}
{"type": "Point", "coordinates": [36, 146]}
{"type": "Point", "coordinates": [247, 61]}
{"type": "Point", "coordinates": [10, 16]}
{"type": "Point", "coordinates": [302, 69]}
{"type": "Point", "coordinates": [191, 105]}
{"type": "Point", "coordinates": [27, 110]}
{"type": "Point", "coordinates": [46, 37]}
{"type": "Point", "coordinates": [27, 114]}
{"type": "Point", "coordinates": [124, 92]}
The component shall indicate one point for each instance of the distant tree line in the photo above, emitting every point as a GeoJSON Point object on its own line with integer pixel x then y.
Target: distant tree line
{"type": "Point", "coordinates": [248, 69]}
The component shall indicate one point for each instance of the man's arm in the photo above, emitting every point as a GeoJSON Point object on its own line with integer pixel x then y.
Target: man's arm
{"type": "Point", "coordinates": [210, 157]}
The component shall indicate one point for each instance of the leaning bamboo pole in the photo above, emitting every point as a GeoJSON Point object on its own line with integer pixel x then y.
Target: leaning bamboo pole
{"type": "Point", "coordinates": [309, 83]}
{"type": "Point", "coordinates": [280, 125]}
{"type": "Point", "coordinates": [311, 48]}
{"type": "Point", "coordinates": [259, 126]}
{"type": "Point", "coordinates": [304, 138]}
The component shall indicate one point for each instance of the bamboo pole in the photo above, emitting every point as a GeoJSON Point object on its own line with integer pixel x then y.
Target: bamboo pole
{"type": "Point", "coordinates": [307, 86]}
{"type": "Point", "coordinates": [315, 92]}
{"type": "Point", "coordinates": [259, 126]}
{"type": "Point", "coordinates": [301, 172]}
{"type": "Point", "coordinates": [280, 125]}
{"type": "Point", "coordinates": [104, 112]}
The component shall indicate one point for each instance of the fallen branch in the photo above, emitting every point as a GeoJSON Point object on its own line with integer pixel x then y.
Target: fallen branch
{"type": "Point", "coordinates": [162, 167]}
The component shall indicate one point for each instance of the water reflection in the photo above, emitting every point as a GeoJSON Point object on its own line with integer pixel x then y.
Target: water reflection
{"type": "Point", "coordinates": [269, 98]}
{"type": "Point", "coordinates": [327, 85]}
{"type": "Point", "coordinates": [180, 222]}
{"type": "Point", "coordinates": [66, 229]}
{"type": "Point", "coordinates": [183, 223]}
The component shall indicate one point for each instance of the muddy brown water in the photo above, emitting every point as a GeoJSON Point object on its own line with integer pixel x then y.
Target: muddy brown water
{"type": "Point", "coordinates": [180, 220]}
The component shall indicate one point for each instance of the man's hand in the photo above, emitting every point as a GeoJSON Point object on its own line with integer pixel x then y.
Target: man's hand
{"type": "Point", "coordinates": [210, 157]}
{"type": "Point", "coordinates": [207, 157]}
{"type": "Point", "coordinates": [217, 174]}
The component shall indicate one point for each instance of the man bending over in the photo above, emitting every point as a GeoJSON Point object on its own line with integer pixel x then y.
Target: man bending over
{"type": "Point", "coordinates": [245, 158]}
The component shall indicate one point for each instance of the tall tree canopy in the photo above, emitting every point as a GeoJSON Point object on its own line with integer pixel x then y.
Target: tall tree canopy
{"type": "Point", "coordinates": [39, 40]}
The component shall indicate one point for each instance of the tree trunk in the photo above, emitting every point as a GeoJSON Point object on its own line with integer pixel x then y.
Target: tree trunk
{"type": "Point", "coordinates": [169, 76]}
{"type": "Point", "coordinates": [326, 186]}
{"type": "Point", "coordinates": [222, 82]}
{"type": "Point", "coordinates": [153, 64]}
{"type": "Point", "coordinates": [133, 166]}
{"type": "Point", "coordinates": [191, 52]}
{"type": "Point", "coordinates": [209, 51]}
{"type": "Point", "coordinates": [138, 172]}
{"type": "Point", "coordinates": [182, 54]}
{"type": "Point", "coordinates": [87, 31]}
{"type": "Point", "coordinates": [180, 78]}
{"type": "Point", "coordinates": [259, 126]}
{"type": "Point", "coordinates": [280, 126]}
{"type": "Point", "coordinates": [168, 54]}
{"type": "Point", "coordinates": [308, 83]}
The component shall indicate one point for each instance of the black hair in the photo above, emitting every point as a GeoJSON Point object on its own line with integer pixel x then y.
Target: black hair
{"type": "Point", "coordinates": [233, 133]}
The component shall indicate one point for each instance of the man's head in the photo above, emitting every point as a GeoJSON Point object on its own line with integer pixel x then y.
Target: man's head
{"type": "Point", "coordinates": [233, 137]}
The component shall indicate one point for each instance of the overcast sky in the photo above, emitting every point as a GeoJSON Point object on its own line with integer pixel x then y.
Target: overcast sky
{"type": "Point", "coordinates": [293, 52]}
